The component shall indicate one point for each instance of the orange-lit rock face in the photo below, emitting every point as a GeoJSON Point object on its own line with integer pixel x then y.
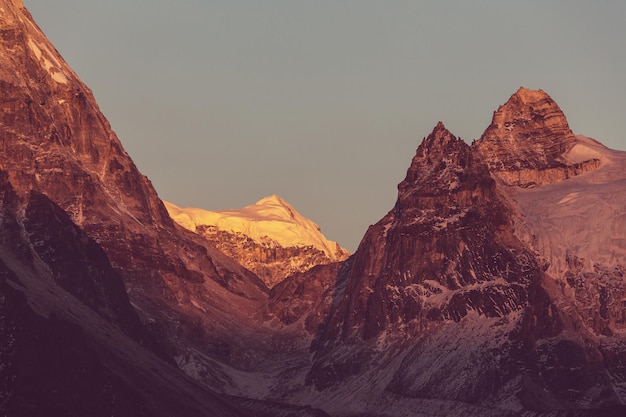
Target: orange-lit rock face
{"type": "Point", "coordinates": [448, 243]}
{"type": "Point", "coordinates": [528, 141]}
{"type": "Point", "coordinates": [55, 140]}
{"type": "Point", "coordinates": [478, 271]}
{"type": "Point", "coordinates": [471, 295]}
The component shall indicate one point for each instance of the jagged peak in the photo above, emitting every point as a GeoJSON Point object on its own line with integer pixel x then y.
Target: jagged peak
{"type": "Point", "coordinates": [528, 134]}
{"type": "Point", "coordinates": [440, 143]}
{"type": "Point", "coordinates": [439, 135]}
{"type": "Point", "coordinates": [443, 164]}
{"type": "Point", "coordinates": [528, 110]}
{"type": "Point", "coordinates": [527, 95]}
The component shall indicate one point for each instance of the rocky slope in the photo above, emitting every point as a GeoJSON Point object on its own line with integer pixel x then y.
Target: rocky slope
{"type": "Point", "coordinates": [270, 237]}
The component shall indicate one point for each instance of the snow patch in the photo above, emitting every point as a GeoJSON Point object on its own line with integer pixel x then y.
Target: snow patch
{"type": "Point", "coordinates": [584, 216]}
{"type": "Point", "coordinates": [49, 62]}
{"type": "Point", "coordinates": [581, 153]}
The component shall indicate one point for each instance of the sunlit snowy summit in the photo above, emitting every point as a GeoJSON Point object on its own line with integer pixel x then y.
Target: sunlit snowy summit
{"type": "Point", "coordinates": [269, 237]}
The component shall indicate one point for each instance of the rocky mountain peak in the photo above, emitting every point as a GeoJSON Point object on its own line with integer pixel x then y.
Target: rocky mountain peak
{"type": "Point", "coordinates": [530, 116]}
{"type": "Point", "coordinates": [442, 165]}
{"type": "Point", "coordinates": [440, 134]}
{"type": "Point", "coordinates": [527, 142]}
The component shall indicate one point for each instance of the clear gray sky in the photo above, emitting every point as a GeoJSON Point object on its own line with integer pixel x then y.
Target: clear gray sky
{"type": "Point", "coordinates": [324, 102]}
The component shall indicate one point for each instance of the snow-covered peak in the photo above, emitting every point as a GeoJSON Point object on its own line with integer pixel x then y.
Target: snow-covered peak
{"type": "Point", "coordinates": [272, 200]}
{"type": "Point", "coordinates": [269, 218]}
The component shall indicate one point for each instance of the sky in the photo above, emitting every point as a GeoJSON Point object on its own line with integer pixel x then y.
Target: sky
{"type": "Point", "coordinates": [221, 103]}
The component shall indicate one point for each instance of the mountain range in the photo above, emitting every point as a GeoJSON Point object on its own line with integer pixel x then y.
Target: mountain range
{"type": "Point", "coordinates": [493, 287]}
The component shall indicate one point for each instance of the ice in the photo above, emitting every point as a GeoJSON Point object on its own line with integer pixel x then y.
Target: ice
{"type": "Point", "coordinates": [584, 216]}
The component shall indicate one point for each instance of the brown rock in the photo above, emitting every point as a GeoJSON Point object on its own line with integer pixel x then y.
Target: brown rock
{"type": "Point", "coordinates": [526, 143]}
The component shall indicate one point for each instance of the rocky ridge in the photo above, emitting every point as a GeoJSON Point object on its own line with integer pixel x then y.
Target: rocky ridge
{"type": "Point", "coordinates": [60, 155]}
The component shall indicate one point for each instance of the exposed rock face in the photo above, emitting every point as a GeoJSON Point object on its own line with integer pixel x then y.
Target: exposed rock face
{"type": "Point", "coordinates": [55, 142]}
{"type": "Point", "coordinates": [493, 287]}
{"type": "Point", "coordinates": [38, 228]}
{"type": "Point", "coordinates": [305, 294]}
{"type": "Point", "coordinates": [528, 142]}
{"type": "Point", "coordinates": [270, 238]}
{"type": "Point", "coordinates": [446, 299]}
{"type": "Point", "coordinates": [447, 241]}
{"type": "Point", "coordinates": [269, 260]}
{"type": "Point", "coordinates": [31, 343]}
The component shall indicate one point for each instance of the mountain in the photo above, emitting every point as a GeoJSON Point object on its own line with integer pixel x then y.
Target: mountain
{"type": "Point", "coordinates": [494, 286]}
{"type": "Point", "coordinates": [270, 237]}
{"type": "Point", "coordinates": [101, 292]}
{"type": "Point", "coordinates": [56, 142]}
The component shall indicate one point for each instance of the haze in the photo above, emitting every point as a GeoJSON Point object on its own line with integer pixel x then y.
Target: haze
{"type": "Point", "coordinates": [221, 103]}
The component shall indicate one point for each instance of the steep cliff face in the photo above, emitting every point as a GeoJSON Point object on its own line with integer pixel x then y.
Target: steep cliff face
{"type": "Point", "coordinates": [529, 142]}
{"type": "Point", "coordinates": [55, 142]}
{"type": "Point", "coordinates": [305, 295]}
{"type": "Point", "coordinates": [269, 237]}
{"type": "Point", "coordinates": [84, 239]}
{"type": "Point", "coordinates": [35, 229]}
{"type": "Point", "coordinates": [495, 285]}
{"type": "Point", "coordinates": [447, 241]}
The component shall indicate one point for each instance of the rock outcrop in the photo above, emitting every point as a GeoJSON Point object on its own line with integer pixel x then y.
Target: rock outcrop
{"type": "Point", "coordinates": [305, 295]}
{"type": "Point", "coordinates": [449, 232]}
